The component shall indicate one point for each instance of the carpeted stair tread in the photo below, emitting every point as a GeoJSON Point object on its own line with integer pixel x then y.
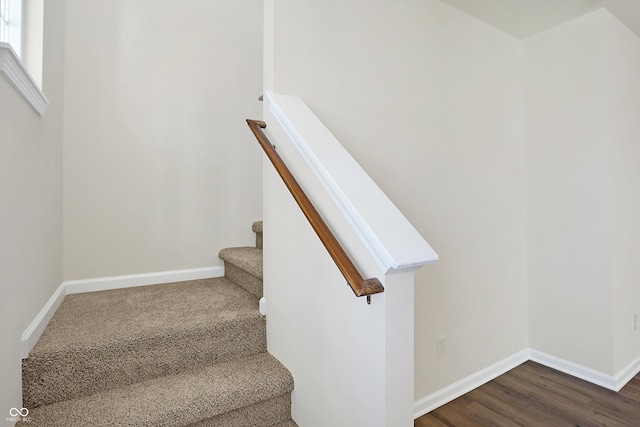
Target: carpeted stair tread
{"type": "Point", "coordinates": [108, 339]}
{"type": "Point", "coordinates": [243, 265]}
{"type": "Point", "coordinates": [246, 258]}
{"type": "Point", "coordinates": [187, 354]}
{"type": "Point", "coordinates": [181, 399]}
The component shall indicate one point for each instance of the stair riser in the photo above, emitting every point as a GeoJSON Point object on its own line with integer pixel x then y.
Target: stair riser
{"type": "Point", "coordinates": [266, 413]}
{"type": "Point", "coordinates": [50, 378]}
{"type": "Point", "coordinates": [248, 282]}
{"type": "Point", "coordinates": [271, 412]}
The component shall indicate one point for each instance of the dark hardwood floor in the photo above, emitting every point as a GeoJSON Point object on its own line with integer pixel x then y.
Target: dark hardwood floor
{"type": "Point", "coordinates": [537, 396]}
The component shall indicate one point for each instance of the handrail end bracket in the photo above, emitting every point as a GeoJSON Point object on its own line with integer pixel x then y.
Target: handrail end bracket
{"type": "Point", "coordinates": [259, 123]}
{"type": "Point", "coordinates": [370, 287]}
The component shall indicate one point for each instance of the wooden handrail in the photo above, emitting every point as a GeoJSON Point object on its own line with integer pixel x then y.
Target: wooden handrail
{"type": "Point", "coordinates": [361, 287]}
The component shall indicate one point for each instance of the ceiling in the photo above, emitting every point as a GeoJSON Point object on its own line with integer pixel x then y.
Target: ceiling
{"type": "Point", "coordinates": [522, 18]}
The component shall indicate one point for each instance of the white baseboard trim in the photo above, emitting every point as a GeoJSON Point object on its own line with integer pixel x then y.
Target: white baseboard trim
{"type": "Point", "coordinates": [129, 281]}
{"type": "Point", "coordinates": [573, 369]}
{"type": "Point", "coordinates": [36, 327]}
{"type": "Point", "coordinates": [465, 385]}
{"type": "Point", "coordinates": [612, 382]}
{"type": "Point", "coordinates": [627, 374]}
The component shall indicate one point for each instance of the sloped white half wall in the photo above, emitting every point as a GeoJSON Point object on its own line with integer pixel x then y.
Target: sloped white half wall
{"type": "Point", "coordinates": [352, 362]}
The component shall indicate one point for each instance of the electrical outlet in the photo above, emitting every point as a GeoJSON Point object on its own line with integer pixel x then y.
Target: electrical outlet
{"type": "Point", "coordinates": [442, 345]}
{"type": "Point", "coordinates": [634, 321]}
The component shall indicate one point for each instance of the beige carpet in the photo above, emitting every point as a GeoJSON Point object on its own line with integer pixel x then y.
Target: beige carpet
{"type": "Point", "coordinates": [178, 354]}
{"type": "Point", "coordinates": [244, 266]}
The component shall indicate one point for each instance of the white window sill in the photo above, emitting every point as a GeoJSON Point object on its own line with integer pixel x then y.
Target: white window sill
{"type": "Point", "coordinates": [12, 69]}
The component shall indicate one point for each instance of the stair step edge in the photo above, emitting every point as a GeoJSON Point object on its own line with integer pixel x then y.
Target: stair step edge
{"type": "Point", "coordinates": [179, 399]}
{"type": "Point", "coordinates": [247, 258]}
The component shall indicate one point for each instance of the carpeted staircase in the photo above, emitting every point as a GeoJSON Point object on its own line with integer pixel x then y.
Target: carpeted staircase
{"type": "Point", "coordinates": [177, 354]}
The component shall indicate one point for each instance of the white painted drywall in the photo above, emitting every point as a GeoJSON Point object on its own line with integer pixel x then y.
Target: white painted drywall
{"type": "Point", "coordinates": [30, 206]}
{"type": "Point", "coordinates": [581, 108]}
{"type": "Point", "coordinates": [568, 193]}
{"type": "Point", "coordinates": [160, 170]}
{"type": "Point", "coordinates": [623, 107]}
{"type": "Point", "coordinates": [315, 325]}
{"type": "Point", "coordinates": [428, 101]}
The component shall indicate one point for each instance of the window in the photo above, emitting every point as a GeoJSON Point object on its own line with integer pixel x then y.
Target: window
{"type": "Point", "coordinates": [11, 24]}
{"type": "Point", "coordinates": [12, 67]}
{"type": "Point", "coordinates": [4, 20]}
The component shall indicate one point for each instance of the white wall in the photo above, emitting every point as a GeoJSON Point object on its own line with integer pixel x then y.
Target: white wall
{"type": "Point", "coordinates": [568, 193]}
{"type": "Point", "coordinates": [330, 340]}
{"type": "Point", "coordinates": [428, 100]}
{"type": "Point", "coordinates": [160, 170]}
{"type": "Point", "coordinates": [581, 98]}
{"type": "Point", "coordinates": [30, 206]}
{"type": "Point", "coordinates": [623, 106]}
